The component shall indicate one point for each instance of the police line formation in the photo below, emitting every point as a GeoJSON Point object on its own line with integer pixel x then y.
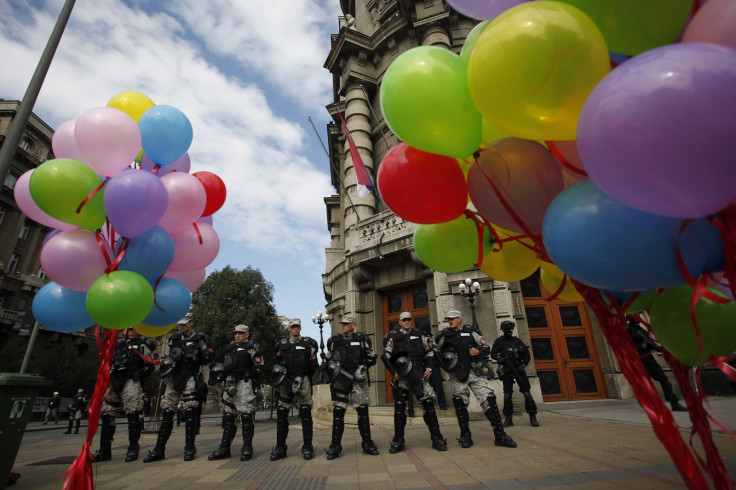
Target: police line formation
{"type": "Point", "coordinates": [411, 356]}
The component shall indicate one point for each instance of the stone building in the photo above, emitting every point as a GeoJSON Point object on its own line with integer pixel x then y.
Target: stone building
{"type": "Point", "coordinates": [372, 271]}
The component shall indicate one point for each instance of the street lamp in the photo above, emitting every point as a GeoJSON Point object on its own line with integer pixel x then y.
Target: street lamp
{"type": "Point", "coordinates": [470, 290]}
{"type": "Point", "coordinates": [319, 319]}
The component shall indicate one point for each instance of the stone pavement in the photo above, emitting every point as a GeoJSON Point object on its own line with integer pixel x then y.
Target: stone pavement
{"type": "Point", "coordinates": [608, 444]}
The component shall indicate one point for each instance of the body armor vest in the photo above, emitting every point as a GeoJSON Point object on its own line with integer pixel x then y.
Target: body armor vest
{"type": "Point", "coordinates": [513, 349]}
{"type": "Point", "coordinates": [349, 350]}
{"type": "Point", "coordinates": [238, 362]}
{"type": "Point", "coordinates": [191, 358]}
{"type": "Point", "coordinates": [125, 359]}
{"type": "Point", "coordinates": [412, 344]}
{"type": "Point", "coordinates": [461, 340]}
{"type": "Point", "coordinates": [297, 356]}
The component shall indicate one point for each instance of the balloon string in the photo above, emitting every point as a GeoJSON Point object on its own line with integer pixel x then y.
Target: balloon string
{"type": "Point", "coordinates": [694, 9]}
{"type": "Point", "coordinates": [199, 235]}
{"type": "Point", "coordinates": [564, 161]}
{"type": "Point", "coordinates": [559, 290]}
{"type": "Point", "coordinates": [101, 244]}
{"type": "Point", "coordinates": [121, 252]}
{"type": "Point", "coordinates": [92, 194]}
{"type": "Point", "coordinates": [479, 229]}
{"type": "Point", "coordinates": [155, 287]}
{"type": "Point", "coordinates": [143, 356]}
{"type": "Point", "coordinates": [155, 169]}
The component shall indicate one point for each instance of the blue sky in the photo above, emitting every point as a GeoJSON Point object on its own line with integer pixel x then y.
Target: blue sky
{"type": "Point", "coordinates": [247, 74]}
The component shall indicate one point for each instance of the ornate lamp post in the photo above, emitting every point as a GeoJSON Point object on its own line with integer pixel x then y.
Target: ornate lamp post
{"type": "Point", "coordinates": [319, 319]}
{"type": "Point", "coordinates": [470, 290]}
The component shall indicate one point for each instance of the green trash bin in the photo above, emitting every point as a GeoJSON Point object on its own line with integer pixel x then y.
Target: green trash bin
{"type": "Point", "coordinates": [17, 394]}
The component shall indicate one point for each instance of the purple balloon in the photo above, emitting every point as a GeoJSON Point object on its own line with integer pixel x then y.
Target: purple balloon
{"type": "Point", "coordinates": [206, 219]}
{"type": "Point", "coordinates": [483, 9]}
{"type": "Point", "coordinates": [181, 164]}
{"type": "Point", "coordinates": [657, 133]}
{"type": "Point", "coordinates": [134, 201]}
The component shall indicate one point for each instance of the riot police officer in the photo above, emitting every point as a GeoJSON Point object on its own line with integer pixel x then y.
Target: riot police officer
{"type": "Point", "coordinates": [409, 356]}
{"type": "Point", "coordinates": [79, 402]}
{"type": "Point", "coordinates": [242, 367]}
{"type": "Point", "coordinates": [296, 361]}
{"type": "Point", "coordinates": [188, 351]}
{"type": "Point", "coordinates": [129, 370]}
{"type": "Point", "coordinates": [350, 354]}
{"type": "Point", "coordinates": [461, 346]}
{"type": "Point", "coordinates": [512, 357]}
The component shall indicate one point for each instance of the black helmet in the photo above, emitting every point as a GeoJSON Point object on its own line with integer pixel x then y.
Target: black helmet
{"type": "Point", "coordinates": [278, 375]}
{"type": "Point", "coordinates": [215, 374]}
{"type": "Point", "coordinates": [507, 325]}
{"type": "Point", "coordinates": [167, 366]}
{"type": "Point", "coordinates": [339, 378]}
{"type": "Point", "coordinates": [402, 364]}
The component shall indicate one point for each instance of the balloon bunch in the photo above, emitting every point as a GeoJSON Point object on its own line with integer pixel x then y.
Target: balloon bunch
{"type": "Point", "coordinates": [133, 227]}
{"type": "Point", "coordinates": [594, 139]}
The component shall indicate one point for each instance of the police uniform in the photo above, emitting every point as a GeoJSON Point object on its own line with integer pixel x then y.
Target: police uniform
{"type": "Point", "coordinates": [129, 369]}
{"type": "Point", "coordinates": [187, 353]}
{"type": "Point", "coordinates": [79, 402]}
{"type": "Point", "coordinates": [298, 355]}
{"type": "Point", "coordinates": [408, 353]}
{"type": "Point", "coordinates": [52, 409]}
{"type": "Point", "coordinates": [466, 376]}
{"type": "Point", "coordinates": [242, 366]}
{"type": "Point", "coordinates": [512, 357]}
{"type": "Point", "coordinates": [354, 352]}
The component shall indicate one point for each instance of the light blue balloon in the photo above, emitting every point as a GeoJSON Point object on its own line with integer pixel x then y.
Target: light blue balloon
{"type": "Point", "coordinates": [60, 309]}
{"type": "Point", "coordinates": [609, 245]}
{"type": "Point", "coordinates": [172, 302]}
{"type": "Point", "coordinates": [166, 134]}
{"type": "Point", "coordinates": [149, 254]}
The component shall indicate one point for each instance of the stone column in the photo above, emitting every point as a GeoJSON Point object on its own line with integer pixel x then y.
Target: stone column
{"type": "Point", "coordinates": [436, 36]}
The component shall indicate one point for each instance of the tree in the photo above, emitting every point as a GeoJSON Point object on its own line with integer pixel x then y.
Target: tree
{"type": "Point", "coordinates": [231, 297]}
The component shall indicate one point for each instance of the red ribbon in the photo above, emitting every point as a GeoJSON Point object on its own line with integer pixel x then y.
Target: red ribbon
{"type": "Point", "coordinates": [199, 234]}
{"type": "Point", "coordinates": [564, 161]}
{"type": "Point", "coordinates": [92, 194]}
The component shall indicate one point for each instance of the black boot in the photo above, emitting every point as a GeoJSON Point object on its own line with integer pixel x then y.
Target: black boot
{"type": "Point", "coordinates": [494, 417]}
{"type": "Point", "coordinates": [246, 452]}
{"type": "Point", "coordinates": [338, 426]}
{"type": "Point", "coordinates": [305, 413]}
{"type": "Point", "coordinates": [107, 431]}
{"type": "Point", "coordinates": [167, 425]}
{"type": "Point", "coordinates": [439, 443]}
{"type": "Point", "coordinates": [409, 402]}
{"type": "Point", "coordinates": [76, 429]}
{"type": "Point", "coordinates": [135, 426]}
{"type": "Point", "coordinates": [190, 421]}
{"type": "Point", "coordinates": [364, 427]}
{"type": "Point", "coordinates": [508, 410]}
{"type": "Point", "coordinates": [463, 420]}
{"type": "Point", "coordinates": [531, 408]}
{"type": "Point", "coordinates": [397, 444]}
{"type": "Point", "coordinates": [282, 431]}
{"type": "Point", "coordinates": [69, 428]}
{"type": "Point", "coordinates": [676, 407]}
{"type": "Point", "coordinates": [228, 434]}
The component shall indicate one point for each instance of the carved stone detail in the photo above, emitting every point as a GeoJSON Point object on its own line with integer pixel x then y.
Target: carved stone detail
{"type": "Point", "coordinates": [387, 226]}
{"type": "Point", "coordinates": [500, 302]}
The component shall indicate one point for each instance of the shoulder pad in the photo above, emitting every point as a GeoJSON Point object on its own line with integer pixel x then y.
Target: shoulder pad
{"type": "Point", "coordinates": [256, 346]}
{"type": "Point", "coordinates": [176, 336]}
{"type": "Point", "coordinates": [313, 343]}
{"type": "Point", "coordinates": [197, 336]}
{"type": "Point", "coordinates": [150, 343]}
{"type": "Point", "coordinates": [283, 341]}
{"type": "Point", "coordinates": [230, 347]}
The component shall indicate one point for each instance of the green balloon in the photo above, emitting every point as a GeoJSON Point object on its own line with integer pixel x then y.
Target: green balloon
{"type": "Point", "coordinates": [448, 247]}
{"type": "Point", "coordinates": [426, 102]}
{"type": "Point", "coordinates": [59, 186]}
{"type": "Point", "coordinates": [670, 315]}
{"type": "Point", "coordinates": [634, 26]}
{"type": "Point", "coordinates": [119, 300]}
{"type": "Point", "coordinates": [473, 36]}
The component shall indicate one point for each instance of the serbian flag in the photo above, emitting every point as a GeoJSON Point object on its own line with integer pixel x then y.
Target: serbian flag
{"type": "Point", "coordinates": [365, 184]}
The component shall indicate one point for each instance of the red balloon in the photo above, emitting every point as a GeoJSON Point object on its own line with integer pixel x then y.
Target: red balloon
{"type": "Point", "coordinates": [422, 187]}
{"type": "Point", "coordinates": [215, 189]}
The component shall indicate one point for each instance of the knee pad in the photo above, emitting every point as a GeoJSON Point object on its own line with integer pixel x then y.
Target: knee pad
{"type": "Point", "coordinates": [305, 411]}
{"type": "Point", "coordinates": [458, 402]}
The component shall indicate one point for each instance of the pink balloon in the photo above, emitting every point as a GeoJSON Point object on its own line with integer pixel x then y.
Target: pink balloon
{"type": "Point", "coordinates": [181, 164]}
{"type": "Point", "coordinates": [108, 138]}
{"type": "Point", "coordinates": [73, 259]}
{"type": "Point", "coordinates": [195, 247]}
{"type": "Point", "coordinates": [714, 23]}
{"type": "Point", "coordinates": [191, 279]}
{"type": "Point", "coordinates": [518, 173]}
{"type": "Point", "coordinates": [187, 200]}
{"type": "Point", "coordinates": [26, 204]}
{"type": "Point", "coordinates": [63, 142]}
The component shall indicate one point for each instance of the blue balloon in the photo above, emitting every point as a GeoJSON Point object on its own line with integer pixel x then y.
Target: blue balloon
{"type": "Point", "coordinates": [60, 309]}
{"type": "Point", "coordinates": [172, 302]}
{"type": "Point", "coordinates": [166, 134]}
{"type": "Point", "coordinates": [149, 254]}
{"type": "Point", "coordinates": [609, 245]}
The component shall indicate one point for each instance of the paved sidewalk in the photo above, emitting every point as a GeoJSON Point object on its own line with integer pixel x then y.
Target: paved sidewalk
{"type": "Point", "coordinates": [608, 444]}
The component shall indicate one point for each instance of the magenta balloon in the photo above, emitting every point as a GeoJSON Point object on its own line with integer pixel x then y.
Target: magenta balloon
{"type": "Point", "coordinates": [658, 134]}
{"type": "Point", "coordinates": [715, 23]}
{"type": "Point", "coordinates": [26, 204]}
{"type": "Point", "coordinates": [181, 164]}
{"type": "Point", "coordinates": [63, 143]}
{"type": "Point", "coordinates": [191, 279]}
{"type": "Point", "coordinates": [134, 202]}
{"type": "Point", "coordinates": [527, 178]}
{"type": "Point", "coordinates": [73, 259]}
{"type": "Point", "coordinates": [195, 247]}
{"type": "Point", "coordinates": [187, 200]}
{"type": "Point", "coordinates": [108, 138]}
{"type": "Point", "coordinates": [483, 9]}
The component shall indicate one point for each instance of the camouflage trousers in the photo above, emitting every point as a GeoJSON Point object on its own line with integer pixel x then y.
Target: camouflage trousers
{"type": "Point", "coordinates": [241, 401]}
{"type": "Point", "coordinates": [188, 396]}
{"type": "Point", "coordinates": [480, 386]}
{"type": "Point", "coordinates": [358, 396]}
{"type": "Point", "coordinates": [288, 396]}
{"type": "Point", "coordinates": [129, 400]}
{"type": "Point", "coordinates": [419, 386]}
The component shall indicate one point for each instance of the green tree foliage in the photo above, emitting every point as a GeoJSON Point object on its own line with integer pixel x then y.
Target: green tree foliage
{"type": "Point", "coordinates": [231, 297]}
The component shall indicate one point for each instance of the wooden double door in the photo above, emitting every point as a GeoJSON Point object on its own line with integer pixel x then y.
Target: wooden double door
{"type": "Point", "coordinates": [562, 345]}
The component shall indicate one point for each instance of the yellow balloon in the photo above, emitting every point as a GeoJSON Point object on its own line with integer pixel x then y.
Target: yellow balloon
{"type": "Point", "coordinates": [552, 283]}
{"type": "Point", "coordinates": [513, 262]}
{"type": "Point", "coordinates": [150, 331]}
{"type": "Point", "coordinates": [133, 104]}
{"type": "Point", "coordinates": [551, 269]}
{"type": "Point", "coordinates": [533, 67]}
